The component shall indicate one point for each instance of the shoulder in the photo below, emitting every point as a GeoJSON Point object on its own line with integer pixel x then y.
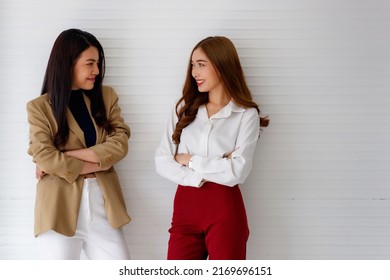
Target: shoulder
{"type": "Point", "coordinates": [39, 102]}
{"type": "Point", "coordinates": [109, 95]}
{"type": "Point", "coordinates": [108, 91]}
{"type": "Point", "coordinates": [176, 106]}
{"type": "Point", "coordinates": [247, 112]}
{"type": "Point", "coordinates": [251, 117]}
{"type": "Point", "coordinates": [179, 103]}
{"type": "Point", "coordinates": [40, 99]}
{"type": "Point", "coordinates": [251, 112]}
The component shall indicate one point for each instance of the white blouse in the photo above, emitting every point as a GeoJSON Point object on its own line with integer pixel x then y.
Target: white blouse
{"type": "Point", "coordinates": [233, 130]}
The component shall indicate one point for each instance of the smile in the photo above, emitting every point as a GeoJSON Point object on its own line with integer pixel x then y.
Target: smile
{"type": "Point", "coordinates": [200, 82]}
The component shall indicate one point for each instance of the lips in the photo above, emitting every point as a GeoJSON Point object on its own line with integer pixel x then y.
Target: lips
{"type": "Point", "coordinates": [200, 82]}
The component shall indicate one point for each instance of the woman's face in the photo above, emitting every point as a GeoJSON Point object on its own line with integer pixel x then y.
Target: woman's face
{"type": "Point", "coordinates": [85, 69]}
{"type": "Point", "coordinates": [204, 72]}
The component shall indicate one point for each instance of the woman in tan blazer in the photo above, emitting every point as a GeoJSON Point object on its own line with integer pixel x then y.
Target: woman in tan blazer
{"type": "Point", "coordinates": [77, 135]}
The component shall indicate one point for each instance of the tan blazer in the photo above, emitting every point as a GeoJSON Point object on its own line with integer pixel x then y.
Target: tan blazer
{"type": "Point", "coordinates": [58, 194]}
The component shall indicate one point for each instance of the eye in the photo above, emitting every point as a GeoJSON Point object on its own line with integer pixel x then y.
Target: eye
{"type": "Point", "coordinates": [200, 65]}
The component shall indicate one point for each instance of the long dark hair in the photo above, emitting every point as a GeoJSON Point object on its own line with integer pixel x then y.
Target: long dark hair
{"type": "Point", "coordinates": [224, 57]}
{"type": "Point", "coordinates": [58, 80]}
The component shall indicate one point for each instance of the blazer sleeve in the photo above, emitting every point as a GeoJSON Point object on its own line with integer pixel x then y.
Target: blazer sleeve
{"type": "Point", "coordinates": [115, 146]}
{"type": "Point", "coordinates": [41, 145]}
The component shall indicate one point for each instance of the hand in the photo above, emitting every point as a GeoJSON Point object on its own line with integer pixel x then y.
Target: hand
{"type": "Point", "coordinates": [229, 155]}
{"type": "Point", "coordinates": [183, 159]}
{"type": "Point", "coordinates": [39, 173]}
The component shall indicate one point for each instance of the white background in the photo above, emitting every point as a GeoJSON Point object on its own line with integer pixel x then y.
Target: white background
{"type": "Point", "coordinates": [319, 188]}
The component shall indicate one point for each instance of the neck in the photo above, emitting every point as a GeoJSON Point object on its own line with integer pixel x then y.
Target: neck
{"type": "Point", "coordinates": [219, 98]}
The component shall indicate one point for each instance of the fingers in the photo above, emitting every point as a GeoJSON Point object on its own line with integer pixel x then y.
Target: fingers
{"type": "Point", "coordinates": [39, 174]}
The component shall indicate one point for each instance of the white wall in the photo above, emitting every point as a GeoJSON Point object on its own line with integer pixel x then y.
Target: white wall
{"type": "Point", "coordinates": [320, 183]}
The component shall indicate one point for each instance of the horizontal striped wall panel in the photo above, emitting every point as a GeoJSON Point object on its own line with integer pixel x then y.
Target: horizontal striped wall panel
{"type": "Point", "coordinates": [318, 68]}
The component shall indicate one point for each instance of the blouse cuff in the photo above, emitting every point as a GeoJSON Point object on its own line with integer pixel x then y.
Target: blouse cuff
{"type": "Point", "coordinates": [199, 182]}
{"type": "Point", "coordinates": [196, 162]}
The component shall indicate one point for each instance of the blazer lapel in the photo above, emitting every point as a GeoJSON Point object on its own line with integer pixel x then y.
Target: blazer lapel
{"type": "Point", "coordinates": [88, 103]}
{"type": "Point", "coordinates": [75, 128]}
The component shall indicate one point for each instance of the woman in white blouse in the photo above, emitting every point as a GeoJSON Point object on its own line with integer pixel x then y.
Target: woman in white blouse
{"type": "Point", "coordinates": [207, 149]}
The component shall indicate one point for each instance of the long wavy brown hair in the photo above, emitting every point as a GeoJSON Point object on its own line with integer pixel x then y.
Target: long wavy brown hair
{"type": "Point", "coordinates": [224, 57]}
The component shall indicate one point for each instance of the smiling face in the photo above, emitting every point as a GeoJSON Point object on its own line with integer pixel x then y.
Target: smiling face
{"type": "Point", "coordinates": [204, 72]}
{"type": "Point", "coordinates": [85, 69]}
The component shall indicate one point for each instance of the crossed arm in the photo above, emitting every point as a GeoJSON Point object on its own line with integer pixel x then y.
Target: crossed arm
{"type": "Point", "coordinates": [89, 158]}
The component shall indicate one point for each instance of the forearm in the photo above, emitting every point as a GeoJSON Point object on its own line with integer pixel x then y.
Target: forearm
{"type": "Point", "coordinates": [170, 169]}
{"type": "Point", "coordinates": [90, 160]}
{"type": "Point", "coordinates": [183, 159]}
{"type": "Point", "coordinates": [86, 155]}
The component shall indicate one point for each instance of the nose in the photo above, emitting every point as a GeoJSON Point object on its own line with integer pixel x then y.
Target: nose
{"type": "Point", "coordinates": [194, 72]}
{"type": "Point", "coordinates": [95, 70]}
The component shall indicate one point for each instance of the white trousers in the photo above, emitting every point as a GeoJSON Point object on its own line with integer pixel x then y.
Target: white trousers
{"type": "Point", "coordinates": [94, 236]}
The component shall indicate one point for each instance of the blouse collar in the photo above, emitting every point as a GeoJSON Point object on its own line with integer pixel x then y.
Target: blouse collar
{"type": "Point", "coordinates": [225, 112]}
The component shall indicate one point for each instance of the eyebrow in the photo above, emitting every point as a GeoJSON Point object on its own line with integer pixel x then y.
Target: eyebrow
{"type": "Point", "coordinates": [91, 59]}
{"type": "Point", "coordinates": [199, 60]}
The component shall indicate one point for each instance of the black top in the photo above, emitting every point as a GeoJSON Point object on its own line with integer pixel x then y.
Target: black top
{"type": "Point", "coordinates": [80, 112]}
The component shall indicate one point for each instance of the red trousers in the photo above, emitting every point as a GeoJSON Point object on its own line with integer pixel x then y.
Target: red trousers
{"type": "Point", "coordinates": [208, 222]}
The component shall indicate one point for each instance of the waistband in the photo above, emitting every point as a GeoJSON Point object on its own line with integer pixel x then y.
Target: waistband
{"type": "Point", "coordinates": [91, 182]}
{"type": "Point", "coordinates": [90, 175]}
